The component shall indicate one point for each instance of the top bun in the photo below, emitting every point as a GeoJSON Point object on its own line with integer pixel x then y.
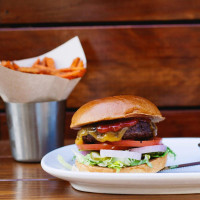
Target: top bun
{"type": "Point", "coordinates": [116, 107]}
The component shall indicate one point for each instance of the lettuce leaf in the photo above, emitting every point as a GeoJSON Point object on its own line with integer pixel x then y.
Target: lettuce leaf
{"type": "Point", "coordinates": [160, 154]}
{"type": "Point", "coordinates": [63, 162]}
{"type": "Point", "coordinates": [94, 159]}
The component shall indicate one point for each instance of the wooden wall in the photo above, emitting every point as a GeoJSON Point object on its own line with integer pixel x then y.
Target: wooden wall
{"type": "Point", "coordinates": [145, 48]}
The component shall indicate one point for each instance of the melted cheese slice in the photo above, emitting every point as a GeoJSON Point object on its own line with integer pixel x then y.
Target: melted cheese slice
{"type": "Point", "coordinates": [100, 137]}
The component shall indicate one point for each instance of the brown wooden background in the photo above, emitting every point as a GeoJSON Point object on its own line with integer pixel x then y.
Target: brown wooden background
{"type": "Point", "coordinates": [145, 48]}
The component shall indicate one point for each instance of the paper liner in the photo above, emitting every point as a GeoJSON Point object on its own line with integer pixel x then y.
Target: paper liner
{"type": "Point", "coordinates": [22, 87]}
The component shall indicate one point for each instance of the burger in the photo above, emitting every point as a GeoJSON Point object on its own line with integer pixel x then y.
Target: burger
{"type": "Point", "coordinates": [119, 134]}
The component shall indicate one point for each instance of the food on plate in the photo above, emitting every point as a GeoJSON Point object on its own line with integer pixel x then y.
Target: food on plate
{"type": "Point", "coordinates": [119, 134]}
{"type": "Point", "coordinates": [47, 66]}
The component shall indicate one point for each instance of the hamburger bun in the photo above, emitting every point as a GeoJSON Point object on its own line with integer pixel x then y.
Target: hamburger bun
{"type": "Point", "coordinates": [116, 107]}
{"type": "Point", "coordinates": [157, 163]}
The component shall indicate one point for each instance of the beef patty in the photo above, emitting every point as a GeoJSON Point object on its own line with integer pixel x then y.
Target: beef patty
{"type": "Point", "coordinates": [143, 130]}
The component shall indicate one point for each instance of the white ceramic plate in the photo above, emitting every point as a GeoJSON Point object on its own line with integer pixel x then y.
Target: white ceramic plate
{"type": "Point", "coordinates": [176, 181]}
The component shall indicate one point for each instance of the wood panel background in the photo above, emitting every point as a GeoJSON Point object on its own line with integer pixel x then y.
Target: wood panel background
{"type": "Point", "coordinates": [28, 11]}
{"type": "Point", "coordinates": [154, 62]}
{"type": "Point", "coordinates": [145, 48]}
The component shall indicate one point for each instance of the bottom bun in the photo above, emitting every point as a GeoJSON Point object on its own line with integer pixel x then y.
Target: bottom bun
{"type": "Point", "coordinates": [157, 163]}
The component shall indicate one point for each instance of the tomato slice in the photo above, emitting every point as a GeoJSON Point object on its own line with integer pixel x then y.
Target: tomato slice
{"type": "Point", "coordinates": [120, 145]}
{"type": "Point", "coordinates": [133, 143]}
{"type": "Point", "coordinates": [100, 146]}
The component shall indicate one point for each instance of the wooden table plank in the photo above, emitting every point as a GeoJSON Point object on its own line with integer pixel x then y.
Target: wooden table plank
{"type": "Point", "coordinates": [58, 189]}
{"type": "Point", "coordinates": [96, 11]}
{"type": "Point", "coordinates": [29, 181]}
{"type": "Point", "coordinates": [12, 170]}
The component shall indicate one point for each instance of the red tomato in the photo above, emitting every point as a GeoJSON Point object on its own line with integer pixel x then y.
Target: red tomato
{"type": "Point", "coordinates": [133, 143]}
{"type": "Point", "coordinates": [116, 126]}
{"type": "Point", "coordinates": [120, 145]}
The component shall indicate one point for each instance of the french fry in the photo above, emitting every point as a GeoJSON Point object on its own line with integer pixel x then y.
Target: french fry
{"type": "Point", "coordinates": [43, 61]}
{"type": "Point", "coordinates": [75, 63]}
{"type": "Point", "coordinates": [10, 65]}
{"type": "Point", "coordinates": [74, 74]}
{"type": "Point", "coordinates": [43, 69]}
{"type": "Point", "coordinates": [7, 64]}
{"type": "Point", "coordinates": [47, 66]}
{"type": "Point", "coordinates": [64, 70]}
{"type": "Point", "coordinates": [15, 66]}
{"type": "Point", "coordinates": [31, 70]}
{"type": "Point", "coordinates": [50, 63]}
{"type": "Point", "coordinates": [80, 64]}
{"type": "Point", "coordinates": [37, 62]}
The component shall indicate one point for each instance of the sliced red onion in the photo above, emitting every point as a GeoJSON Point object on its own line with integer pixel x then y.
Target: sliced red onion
{"type": "Point", "coordinates": [85, 152]}
{"type": "Point", "coordinates": [150, 149]}
{"type": "Point", "coordinates": [120, 154]}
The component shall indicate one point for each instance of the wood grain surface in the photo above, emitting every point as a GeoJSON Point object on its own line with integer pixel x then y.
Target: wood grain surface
{"type": "Point", "coordinates": [28, 181]}
{"type": "Point", "coordinates": [160, 63]}
{"type": "Point", "coordinates": [58, 189]}
{"type": "Point", "coordinates": [96, 11]}
{"type": "Point", "coordinates": [178, 123]}
{"type": "Point", "coordinates": [11, 169]}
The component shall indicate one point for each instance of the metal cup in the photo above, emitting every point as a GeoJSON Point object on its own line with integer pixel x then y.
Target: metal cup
{"type": "Point", "coordinates": [35, 128]}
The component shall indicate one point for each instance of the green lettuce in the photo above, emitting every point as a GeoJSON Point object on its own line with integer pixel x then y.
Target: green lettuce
{"type": "Point", "coordinates": [63, 162]}
{"type": "Point", "coordinates": [161, 154]}
{"type": "Point", "coordinates": [94, 159]}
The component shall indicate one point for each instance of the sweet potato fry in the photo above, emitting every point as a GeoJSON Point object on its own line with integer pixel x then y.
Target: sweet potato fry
{"type": "Point", "coordinates": [43, 62]}
{"type": "Point", "coordinates": [50, 63]}
{"type": "Point", "coordinates": [37, 62]}
{"type": "Point", "coordinates": [47, 66]}
{"type": "Point", "coordinates": [5, 63]}
{"type": "Point", "coordinates": [80, 64]}
{"type": "Point", "coordinates": [44, 70]}
{"type": "Point", "coordinates": [64, 70]}
{"type": "Point", "coordinates": [74, 74]}
{"type": "Point", "coordinates": [15, 66]}
{"type": "Point", "coordinates": [31, 70]}
{"type": "Point", "coordinates": [9, 64]}
{"type": "Point", "coordinates": [75, 63]}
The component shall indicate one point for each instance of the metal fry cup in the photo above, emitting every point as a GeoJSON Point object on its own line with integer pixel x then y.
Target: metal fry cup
{"type": "Point", "coordinates": [35, 128]}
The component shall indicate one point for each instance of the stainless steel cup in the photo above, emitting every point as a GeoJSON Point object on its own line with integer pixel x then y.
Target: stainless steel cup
{"type": "Point", "coordinates": [35, 128]}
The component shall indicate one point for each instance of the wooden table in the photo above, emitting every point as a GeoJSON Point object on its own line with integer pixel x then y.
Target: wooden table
{"type": "Point", "coordinates": [29, 181]}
